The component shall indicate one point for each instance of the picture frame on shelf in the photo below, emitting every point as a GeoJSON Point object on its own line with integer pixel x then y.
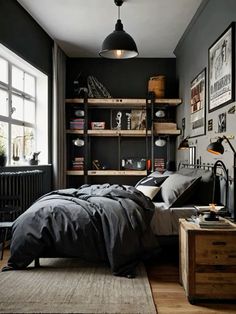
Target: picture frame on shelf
{"type": "Point", "coordinates": [198, 105]}
{"type": "Point", "coordinates": [221, 70]}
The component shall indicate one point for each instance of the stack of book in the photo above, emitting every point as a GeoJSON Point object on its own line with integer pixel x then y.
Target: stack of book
{"type": "Point", "coordinates": [159, 164]}
{"type": "Point", "coordinates": [216, 224]}
{"type": "Point", "coordinates": [78, 163]}
{"type": "Point", "coordinates": [77, 124]}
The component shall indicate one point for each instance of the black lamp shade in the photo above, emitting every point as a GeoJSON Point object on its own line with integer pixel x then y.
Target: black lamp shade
{"type": "Point", "coordinates": [184, 144]}
{"type": "Point", "coordinates": [216, 147]}
{"type": "Point", "coordinates": [119, 44]}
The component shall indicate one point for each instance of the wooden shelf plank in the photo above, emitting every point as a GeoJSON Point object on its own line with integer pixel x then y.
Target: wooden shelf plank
{"type": "Point", "coordinates": [74, 131]}
{"type": "Point", "coordinates": [107, 172]}
{"type": "Point", "coordinates": [135, 133]}
{"type": "Point", "coordinates": [167, 132]}
{"type": "Point", "coordinates": [117, 172]}
{"type": "Point", "coordinates": [123, 102]}
{"type": "Point", "coordinates": [75, 172]}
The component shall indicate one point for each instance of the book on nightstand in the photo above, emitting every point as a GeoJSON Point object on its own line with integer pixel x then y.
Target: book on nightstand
{"type": "Point", "coordinates": [215, 224]}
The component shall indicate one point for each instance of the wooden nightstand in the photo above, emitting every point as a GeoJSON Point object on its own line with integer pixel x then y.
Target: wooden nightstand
{"type": "Point", "coordinates": [207, 262]}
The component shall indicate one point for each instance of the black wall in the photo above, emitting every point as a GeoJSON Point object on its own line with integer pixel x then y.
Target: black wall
{"type": "Point", "coordinates": [20, 33]}
{"type": "Point", "coordinates": [123, 78]}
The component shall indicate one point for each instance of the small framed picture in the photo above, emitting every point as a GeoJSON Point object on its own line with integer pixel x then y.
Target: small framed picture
{"type": "Point", "coordinates": [222, 122]}
{"type": "Point", "coordinates": [198, 104]}
{"type": "Point", "coordinates": [221, 70]}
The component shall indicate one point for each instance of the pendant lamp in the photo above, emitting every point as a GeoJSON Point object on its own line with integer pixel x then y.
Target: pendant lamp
{"type": "Point", "coordinates": [119, 44]}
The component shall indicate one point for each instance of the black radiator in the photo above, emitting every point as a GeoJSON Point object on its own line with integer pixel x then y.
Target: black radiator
{"type": "Point", "coordinates": [18, 190]}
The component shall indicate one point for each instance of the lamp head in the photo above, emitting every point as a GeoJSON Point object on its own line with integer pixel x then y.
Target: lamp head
{"type": "Point", "coordinates": [216, 147]}
{"type": "Point", "coordinates": [184, 144]}
{"type": "Point", "coordinates": [119, 44]}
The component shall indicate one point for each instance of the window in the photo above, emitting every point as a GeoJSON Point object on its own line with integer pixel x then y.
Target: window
{"type": "Point", "coordinates": [23, 109]}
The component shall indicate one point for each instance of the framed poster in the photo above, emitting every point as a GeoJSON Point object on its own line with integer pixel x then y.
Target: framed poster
{"type": "Point", "coordinates": [198, 105]}
{"type": "Point", "coordinates": [221, 70]}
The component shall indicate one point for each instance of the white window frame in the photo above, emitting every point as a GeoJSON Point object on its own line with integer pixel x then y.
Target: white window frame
{"type": "Point", "coordinates": [41, 104]}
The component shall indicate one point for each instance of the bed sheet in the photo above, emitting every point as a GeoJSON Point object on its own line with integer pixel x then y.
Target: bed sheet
{"type": "Point", "coordinates": [165, 221]}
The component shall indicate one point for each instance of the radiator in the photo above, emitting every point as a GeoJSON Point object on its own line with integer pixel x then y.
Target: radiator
{"type": "Point", "coordinates": [18, 190]}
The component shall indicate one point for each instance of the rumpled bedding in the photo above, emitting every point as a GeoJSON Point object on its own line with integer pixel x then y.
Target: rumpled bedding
{"type": "Point", "coordinates": [98, 223]}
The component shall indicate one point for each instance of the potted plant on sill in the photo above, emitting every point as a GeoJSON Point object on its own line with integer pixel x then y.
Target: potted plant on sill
{"type": "Point", "coordinates": [3, 156]}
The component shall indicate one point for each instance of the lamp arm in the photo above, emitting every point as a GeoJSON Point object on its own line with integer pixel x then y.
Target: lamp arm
{"type": "Point", "coordinates": [231, 146]}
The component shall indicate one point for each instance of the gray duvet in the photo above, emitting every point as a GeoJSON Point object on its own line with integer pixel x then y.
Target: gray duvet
{"type": "Point", "coordinates": [99, 223]}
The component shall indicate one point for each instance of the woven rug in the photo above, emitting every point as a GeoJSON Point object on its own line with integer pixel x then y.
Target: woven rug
{"type": "Point", "coordinates": [72, 286]}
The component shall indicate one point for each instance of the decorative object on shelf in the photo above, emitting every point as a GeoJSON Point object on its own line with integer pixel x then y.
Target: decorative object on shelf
{"type": "Point", "coordinates": [121, 119]}
{"type": "Point", "coordinates": [160, 114]}
{"type": "Point", "coordinates": [198, 104]}
{"type": "Point", "coordinates": [98, 125]}
{"type": "Point", "coordinates": [210, 125]}
{"type": "Point", "coordinates": [96, 89]}
{"type": "Point", "coordinates": [160, 142]}
{"type": "Point", "coordinates": [119, 44]}
{"type": "Point", "coordinates": [97, 165]}
{"type": "Point", "coordinates": [218, 149]}
{"type": "Point", "coordinates": [133, 163]}
{"type": "Point", "coordinates": [35, 159]}
{"type": "Point", "coordinates": [222, 122]}
{"type": "Point", "coordinates": [138, 119]}
{"type": "Point", "coordinates": [221, 70]}
{"type": "Point", "coordinates": [79, 113]}
{"type": "Point", "coordinates": [156, 84]}
{"type": "Point", "coordinates": [78, 142]}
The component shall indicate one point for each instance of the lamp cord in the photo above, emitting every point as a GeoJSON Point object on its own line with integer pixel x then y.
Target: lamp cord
{"type": "Point", "coordinates": [118, 12]}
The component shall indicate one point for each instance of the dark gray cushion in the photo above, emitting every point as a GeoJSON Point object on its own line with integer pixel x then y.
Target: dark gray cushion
{"type": "Point", "coordinates": [177, 189]}
{"type": "Point", "coordinates": [203, 193]}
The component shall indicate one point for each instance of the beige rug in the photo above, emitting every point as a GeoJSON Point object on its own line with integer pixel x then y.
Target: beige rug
{"type": "Point", "coordinates": [71, 286]}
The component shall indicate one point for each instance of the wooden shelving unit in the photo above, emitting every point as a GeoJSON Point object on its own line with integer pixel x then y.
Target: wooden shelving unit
{"type": "Point", "coordinates": [92, 105]}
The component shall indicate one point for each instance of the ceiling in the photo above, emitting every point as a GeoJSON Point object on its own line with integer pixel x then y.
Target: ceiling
{"type": "Point", "coordinates": [80, 26]}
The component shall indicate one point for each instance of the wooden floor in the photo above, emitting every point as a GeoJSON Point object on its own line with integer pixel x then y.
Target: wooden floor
{"type": "Point", "coordinates": [168, 294]}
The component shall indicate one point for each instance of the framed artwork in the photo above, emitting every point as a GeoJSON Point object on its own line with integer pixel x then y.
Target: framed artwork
{"type": "Point", "coordinates": [221, 70]}
{"type": "Point", "coordinates": [198, 105]}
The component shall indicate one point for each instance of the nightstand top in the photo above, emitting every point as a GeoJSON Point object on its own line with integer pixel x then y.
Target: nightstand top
{"type": "Point", "coordinates": [194, 226]}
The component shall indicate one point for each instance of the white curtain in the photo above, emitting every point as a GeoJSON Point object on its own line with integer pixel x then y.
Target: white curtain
{"type": "Point", "coordinates": [58, 119]}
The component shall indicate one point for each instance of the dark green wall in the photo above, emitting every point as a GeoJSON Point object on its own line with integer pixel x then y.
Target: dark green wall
{"type": "Point", "coordinates": [124, 78]}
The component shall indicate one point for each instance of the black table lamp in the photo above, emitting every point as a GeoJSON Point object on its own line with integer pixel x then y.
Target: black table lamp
{"type": "Point", "coordinates": [218, 149]}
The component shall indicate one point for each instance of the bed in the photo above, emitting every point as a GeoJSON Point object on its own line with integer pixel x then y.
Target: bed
{"type": "Point", "coordinates": [115, 224]}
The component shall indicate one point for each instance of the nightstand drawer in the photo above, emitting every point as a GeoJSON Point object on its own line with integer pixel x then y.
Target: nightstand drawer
{"type": "Point", "coordinates": [215, 249]}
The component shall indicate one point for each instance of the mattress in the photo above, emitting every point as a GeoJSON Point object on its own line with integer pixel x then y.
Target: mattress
{"type": "Point", "coordinates": [165, 221]}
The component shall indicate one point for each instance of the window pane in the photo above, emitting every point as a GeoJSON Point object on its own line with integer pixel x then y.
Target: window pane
{"type": "Point", "coordinates": [23, 143]}
{"type": "Point", "coordinates": [29, 139]}
{"type": "Point", "coordinates": [17, 78]}
{"type": "Point", "coordinates": [17, 107]}
{"type": "Point", "coordinates": [4, 136]}
{"type": "Point", "coordinates": [29, 111]}
{"type": "Point", "coordinates": [3, 71]}
{"type": "Point", "coordinates": [29, 84]}
{"type": "Point", "coordinates": [17, 143]}
{"type": "Point", "coordinates": [3, 103]}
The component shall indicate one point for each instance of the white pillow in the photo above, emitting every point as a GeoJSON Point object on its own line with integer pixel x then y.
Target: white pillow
{"type": "Point", "coordinates": [149, 191]}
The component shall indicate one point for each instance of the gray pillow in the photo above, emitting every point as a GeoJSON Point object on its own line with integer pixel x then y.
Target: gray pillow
{"type": "Point", "coordinates": [178, 186]}
{"type": "Point", "coordinates": [203, 195]}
